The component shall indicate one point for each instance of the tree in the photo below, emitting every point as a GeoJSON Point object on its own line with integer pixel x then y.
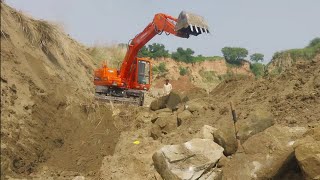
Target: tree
{"type": "Point", "coordinates": [158, 50]}
{"type": "Point", "coordinates": [144, 52]}
{"type": "Point", "coordinates": [183, 55]}
{"type": "Point", "coordinates": [256, 57]}
{"type": "Point", "coordinates": [257, 69]}
{"type": "Point", "coordinates": [234, 55]}
{"type": "Point", "coordinates": [154, 50]}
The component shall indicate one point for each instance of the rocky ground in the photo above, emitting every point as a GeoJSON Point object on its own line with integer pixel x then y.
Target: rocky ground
{"type": "Point", "coordinates": [52, 128]}
{"type": "Point", "coordinates": [277, 117]}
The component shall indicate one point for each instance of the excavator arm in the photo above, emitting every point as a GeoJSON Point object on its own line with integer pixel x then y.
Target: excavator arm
{"type": "Point", "coordinates": [161, 23]}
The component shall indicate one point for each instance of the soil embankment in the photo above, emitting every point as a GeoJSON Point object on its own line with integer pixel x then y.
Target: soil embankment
{"type": "Point", "coordinates": [48, 116]}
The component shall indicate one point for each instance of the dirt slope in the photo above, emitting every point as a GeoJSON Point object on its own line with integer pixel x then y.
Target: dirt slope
{"type": "Point", "coordinates": [292, 97]}
{"type": "Point", "coordinates": [205, 75]}
{"type": "Point", "coordinates": [46, 100]}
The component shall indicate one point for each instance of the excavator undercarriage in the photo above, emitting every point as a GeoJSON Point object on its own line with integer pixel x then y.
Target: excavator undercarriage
{"type": "Point", "coordinates": [116, 95]}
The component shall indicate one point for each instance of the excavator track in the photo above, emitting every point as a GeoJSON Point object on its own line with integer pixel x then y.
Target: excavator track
{"type": "Point", "coordinates": [119, 100]}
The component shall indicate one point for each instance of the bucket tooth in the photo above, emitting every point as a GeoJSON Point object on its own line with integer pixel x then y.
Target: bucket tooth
{"type": "Point", "coordinates": [191, 28]}
{"type": "Point", "coordinates": [204, 30]}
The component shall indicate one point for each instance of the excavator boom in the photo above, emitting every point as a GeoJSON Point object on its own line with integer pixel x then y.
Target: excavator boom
{"type": "Point", "coordinates": [135, 73]}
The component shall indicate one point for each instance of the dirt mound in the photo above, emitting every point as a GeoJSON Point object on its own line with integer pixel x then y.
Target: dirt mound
{"type": "Point", "coordinates": [47, 114]}
{"type": "Point", "coordinates": [292, 97]}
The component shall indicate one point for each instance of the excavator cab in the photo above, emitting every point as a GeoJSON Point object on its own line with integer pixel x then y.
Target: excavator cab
{"type": "Point", "coordinates": [143, 73]}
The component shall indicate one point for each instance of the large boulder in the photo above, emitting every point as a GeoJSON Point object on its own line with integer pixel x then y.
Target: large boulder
{"type": "Point", "coordinates": [194, 159]}
{"type": "Point", "coordinates": [257, 122]}
{"type": "Point", "coordinates": [167, 124]}
{"type": "Point", "coordinates": [173, 100]}
{"type": "Point", "coordinates": [307, 152]}
{"type": "Point", "coordinates": [159, 103]}
{"type": "Point", "coordinates": [155, 132]}
{"type": "Point", "coordinates": [267, 155]}
{"type": "Point", "coordinates": [161, 113]}
{"type": "Point", "coordinates": [170, 101]}
{"type": "Point", "coordinates": [184, 115]}
{"type": "Point", "coordinates": [225, 136]}
{"type": "Point", "coordinates": [163, 125]}
{"type": "Point", "coordinates": [308, 156]}
{"type": "Point", "coordinates": [144, 116]}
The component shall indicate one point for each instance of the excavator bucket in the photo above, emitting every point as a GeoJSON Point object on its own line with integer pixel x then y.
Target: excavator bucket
{"type": "Point", "coordinates": [191, 24]}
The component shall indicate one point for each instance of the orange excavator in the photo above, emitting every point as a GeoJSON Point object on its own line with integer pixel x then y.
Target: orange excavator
{"type": "Point", "coordinates": [134, 77]}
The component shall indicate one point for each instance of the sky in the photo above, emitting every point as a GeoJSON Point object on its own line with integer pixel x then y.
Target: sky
{"type": "Point", "coordinates": [261, 26]}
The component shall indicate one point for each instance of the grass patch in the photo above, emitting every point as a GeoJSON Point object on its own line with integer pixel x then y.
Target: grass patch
{"type": "Point", "coordinates": [113, 55]}
{"type": "Point", "coordinates": [230, 75]}
{"type": "Point", "coordinates": [208, 58]}
{"type": "Point", "coordinates": [307, 53]}
{"type": "Point", "coordinates": [42, 34]}
{"type": "Point", "coordinates": [209, 76]}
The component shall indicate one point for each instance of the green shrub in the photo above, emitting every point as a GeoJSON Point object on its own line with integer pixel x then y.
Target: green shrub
{"type": "Point", "coordinates": [162, 68]}
{"type": "Point", "coordinates": [155, 70]}
{"type": "Point", "coordinates": [183, 71]}
{"type": "Point", "coordinates": [228, 75]}
{"type": "Point", "coordinates": [257, 69]}
{"type": "Point", "coordinates": [306, 53]}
